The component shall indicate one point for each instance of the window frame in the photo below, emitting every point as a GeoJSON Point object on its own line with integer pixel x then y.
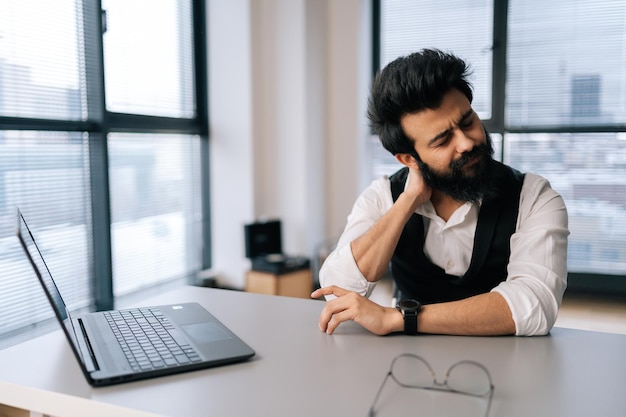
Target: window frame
{"type": "Point", "coordinates": [102, 122]}
{"type": "Point", "coordinates": [584, 283]}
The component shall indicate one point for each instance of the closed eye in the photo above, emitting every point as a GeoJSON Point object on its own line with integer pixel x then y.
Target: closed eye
{"type": "Point", "coordinates": [442, 139]}
{"type": "Point", "coordinates": [467, 120]}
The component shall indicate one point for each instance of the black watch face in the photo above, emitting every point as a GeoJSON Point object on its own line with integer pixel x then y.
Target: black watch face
{"type": "Point", "coordinates": [409, 305]}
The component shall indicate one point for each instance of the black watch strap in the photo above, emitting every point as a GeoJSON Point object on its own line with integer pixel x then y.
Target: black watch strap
{"type": "Point", "coordinates": [409, 310]}
{"type": "Point", "coordinates": [410, 322]}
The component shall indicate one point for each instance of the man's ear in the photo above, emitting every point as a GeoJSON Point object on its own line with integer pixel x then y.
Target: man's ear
{"type": "Point", "coordinates": [406, 160]}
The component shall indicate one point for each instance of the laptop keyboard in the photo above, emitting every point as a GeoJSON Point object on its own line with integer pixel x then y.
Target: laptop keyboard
{"type": "Point", "coordinates": [149, 340]}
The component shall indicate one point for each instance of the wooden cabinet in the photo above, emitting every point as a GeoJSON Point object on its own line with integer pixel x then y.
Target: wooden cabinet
{"type": "Point", "coordinates": [291, 284]}
{"type": "Point", "coordinates": [6, 411]}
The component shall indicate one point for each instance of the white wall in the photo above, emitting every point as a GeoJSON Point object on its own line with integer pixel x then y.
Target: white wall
{"type": "Point", "coordinates": [232, 161]}
{"type": "Point", "coordinates": [287, 84]}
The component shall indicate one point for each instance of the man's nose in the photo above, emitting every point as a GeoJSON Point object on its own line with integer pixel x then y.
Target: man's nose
{"type": "Point", "coordinates": [462, 142]}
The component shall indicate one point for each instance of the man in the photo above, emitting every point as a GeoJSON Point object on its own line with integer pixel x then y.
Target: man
{"type": "Point", "coordinates": [475, 247]}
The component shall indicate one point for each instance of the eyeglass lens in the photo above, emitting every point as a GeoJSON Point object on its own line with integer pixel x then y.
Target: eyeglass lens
{"type": "Point", "coordinates": [465, 376]}
{"type": "Point", "coordinates": [469, 378]}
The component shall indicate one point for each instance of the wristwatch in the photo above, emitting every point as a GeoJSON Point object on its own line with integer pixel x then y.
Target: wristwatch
{"type": "Point", "coordinates": [409, 310]}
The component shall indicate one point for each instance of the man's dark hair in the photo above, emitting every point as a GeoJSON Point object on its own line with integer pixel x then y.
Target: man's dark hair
{"type": "Point", "coordinates": [411, 84]}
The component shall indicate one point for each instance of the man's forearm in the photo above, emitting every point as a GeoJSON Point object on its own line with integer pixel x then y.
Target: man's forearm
{"type": "Point", "coordinates": [373, 250]}
{"type": "Point", "coordinates": [481, 315]}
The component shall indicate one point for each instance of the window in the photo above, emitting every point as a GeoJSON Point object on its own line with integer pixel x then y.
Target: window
{"type": "Point", "coordinates": [102, 128]}
{"type": "Point", "coordinates": [563, 101]}
{"type": "Point", "coordinates": [557, 76]}
{"type": "Point", "coordinates": [566, 107]}
{"type": "Point", "coordinates": [142, 35]}
{"type": "Point", "coordinates": [462, 26]}
{"type": "Point", "coordinates": [154, 209]}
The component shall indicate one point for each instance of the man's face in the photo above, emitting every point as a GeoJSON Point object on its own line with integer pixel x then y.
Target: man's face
{"type": "Point", "coordinates": [467, 179]}
{"type": "Point", "coordinates": [451, 147]}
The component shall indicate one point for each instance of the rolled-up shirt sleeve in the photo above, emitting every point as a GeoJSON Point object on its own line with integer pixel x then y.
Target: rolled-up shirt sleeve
{"type": "Point", "coordinates": [340, 268]}
{"type": "Point", "coordinates": [537, 269]}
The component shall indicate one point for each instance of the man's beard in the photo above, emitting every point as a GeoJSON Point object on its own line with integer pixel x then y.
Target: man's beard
{"type": "Point", "coordinates": [472, 187]}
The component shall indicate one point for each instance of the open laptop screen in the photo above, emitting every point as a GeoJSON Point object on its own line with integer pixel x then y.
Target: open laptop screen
{"type": "Point", "coordinates": [43, 274]}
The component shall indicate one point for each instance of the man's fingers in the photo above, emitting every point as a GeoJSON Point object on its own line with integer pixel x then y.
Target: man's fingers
{"type": "Point", "coordinates": [331, 290]}
{"type": "Point", "coordinates": [336, 320]}
{"type": "Point", "coordinates": [333, 314]}
{"type": "Point", "coordinates": [338, 310]}
{"type": "Point", "coordinates": [330, 308]}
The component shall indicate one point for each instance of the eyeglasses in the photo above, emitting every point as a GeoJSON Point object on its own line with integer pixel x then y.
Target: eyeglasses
{"type": "Point", "coordinates": [464, 377]}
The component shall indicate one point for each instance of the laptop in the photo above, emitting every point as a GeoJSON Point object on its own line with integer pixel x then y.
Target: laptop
{"type": "Point", "coordinates": [119, 346]}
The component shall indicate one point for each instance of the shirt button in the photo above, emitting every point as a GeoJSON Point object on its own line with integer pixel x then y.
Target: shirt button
{"type": "Point", "coordinates": [450, 264]}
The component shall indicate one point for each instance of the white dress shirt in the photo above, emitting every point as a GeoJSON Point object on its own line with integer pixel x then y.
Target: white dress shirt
{"type": "Point", "coordinates": [537, 269]}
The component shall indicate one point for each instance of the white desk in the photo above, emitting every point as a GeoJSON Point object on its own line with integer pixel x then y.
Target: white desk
{"type": "Point", "coordinates": [299, 371]}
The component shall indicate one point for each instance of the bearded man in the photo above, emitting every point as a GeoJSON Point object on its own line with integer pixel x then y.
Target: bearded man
{"type": "Point", "coordinates": [475, 247]}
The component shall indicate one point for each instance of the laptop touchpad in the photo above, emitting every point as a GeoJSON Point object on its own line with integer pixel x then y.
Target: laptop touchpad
{"type": "Point", "coordinates": [206, 332]}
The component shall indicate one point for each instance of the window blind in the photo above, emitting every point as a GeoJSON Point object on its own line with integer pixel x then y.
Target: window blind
{"type": "Point", "coordinates": [566, 63]}
{"type": "Point", "coordinates": [46, 176]}
{"type": "Point", "coordinates": [44, 173]}
{"type": "Point", "coordinates": [41, 60]}
{"type": "Point", "coordinates": [148, 57]}
{"type": "Point", "coordinates": [59, 160]}
{"type": "Point", "coordinates": [566, 71]}
{"type": "Point", "coordinates": [464, 27]}
{"type": "Point", "coordinates": [565, 103]}
{"type": "Point", "coordinates": [154, 178]}
{"type": "Point", "coordinates": [155, 209]}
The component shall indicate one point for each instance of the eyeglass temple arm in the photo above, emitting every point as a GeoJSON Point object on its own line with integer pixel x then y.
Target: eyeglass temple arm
{"type": "Point", "coordinates": [372, 412]}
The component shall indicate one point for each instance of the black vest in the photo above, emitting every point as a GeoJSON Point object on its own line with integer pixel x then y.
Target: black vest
{"type": "Point", "coordinates": [416, 277]}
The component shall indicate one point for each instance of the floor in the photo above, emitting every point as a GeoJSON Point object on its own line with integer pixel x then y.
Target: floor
{"type": "Point", "coordinates": [583, 312]}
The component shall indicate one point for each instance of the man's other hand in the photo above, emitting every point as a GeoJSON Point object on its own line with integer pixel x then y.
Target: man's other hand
{"type": "Point", "coordinates": [350, 306]}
